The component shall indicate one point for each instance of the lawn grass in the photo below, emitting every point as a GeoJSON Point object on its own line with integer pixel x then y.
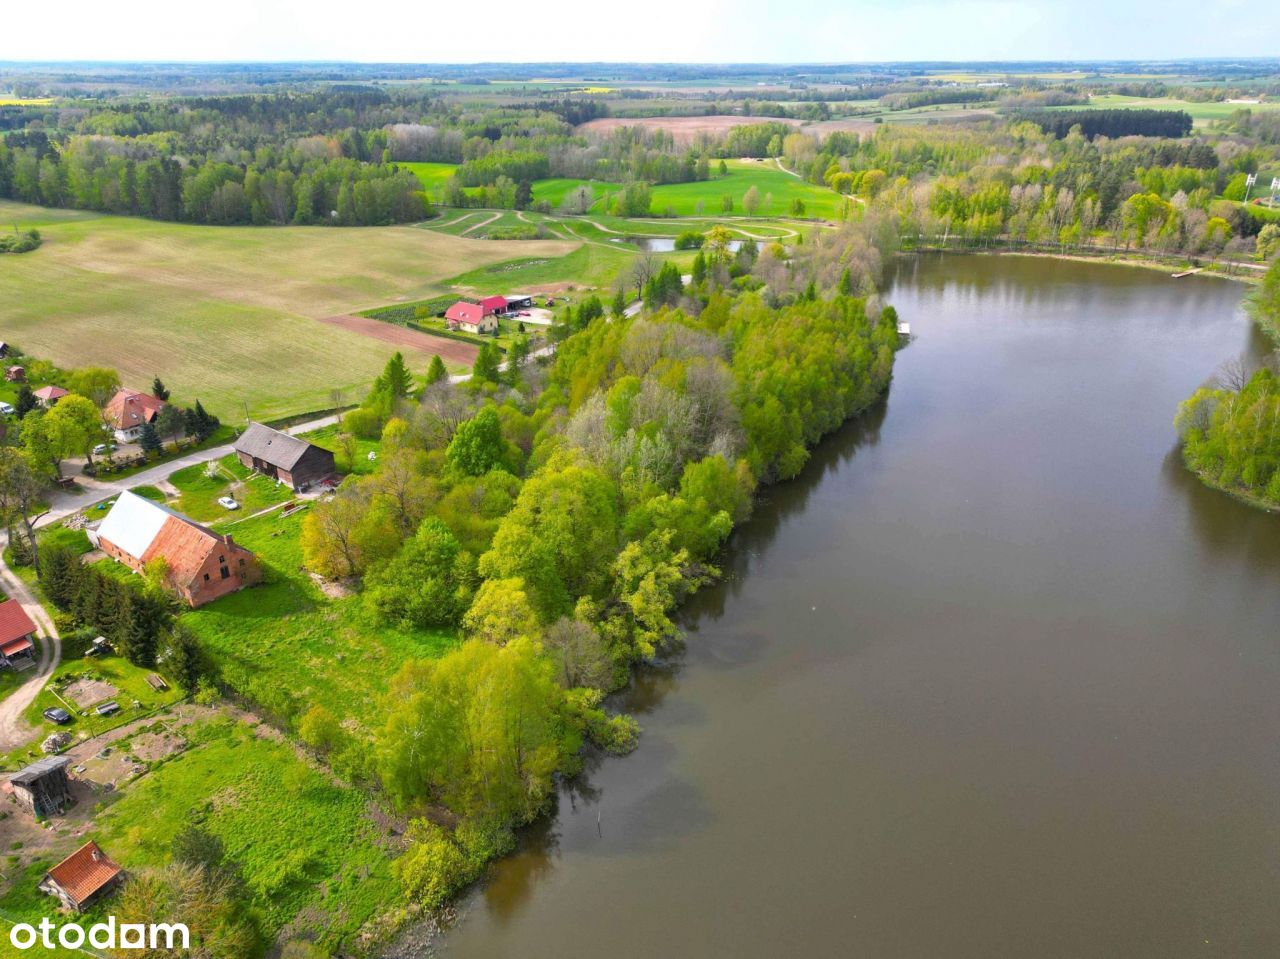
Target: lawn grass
{"type": "Point", "coordinates": [199, 491]}
{"type": "Point", "coordinates": [228, 315]}
{"type": "Point", "coordinates": [555, 189]}
{"type": "Point", "coordinates": [285, 646]}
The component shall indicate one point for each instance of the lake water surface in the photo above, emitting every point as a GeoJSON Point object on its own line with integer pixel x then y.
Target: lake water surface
{"type": "Point", "coordinates": [994, 678]}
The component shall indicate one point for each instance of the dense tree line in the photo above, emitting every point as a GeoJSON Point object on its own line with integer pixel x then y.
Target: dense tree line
{"type": "Point", "coordinates": [1112, 123]}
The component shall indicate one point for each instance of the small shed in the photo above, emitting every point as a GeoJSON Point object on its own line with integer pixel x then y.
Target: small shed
{"type": "Point", "coordinates": [519, 301]}
{"type": "Point", "coordinates": [42, 788]}
{"type": "Point", "coordinates": [48, 396]}
{"type": "Point", "coordinates": [17, 648]}
{"type": "Point", "coordinates": [16, 374]}
{"type": "Point", "coordinates": [82, 878]}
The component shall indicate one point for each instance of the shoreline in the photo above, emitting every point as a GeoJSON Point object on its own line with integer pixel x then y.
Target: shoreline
{"type": "Point", "coordinates": [1244, 496]}
{"type": "Point", "coordinates": [1109, 258]}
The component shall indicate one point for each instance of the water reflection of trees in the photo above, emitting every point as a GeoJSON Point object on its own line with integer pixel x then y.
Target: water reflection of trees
{"type": "Point", "coordinates": [1226, 530]}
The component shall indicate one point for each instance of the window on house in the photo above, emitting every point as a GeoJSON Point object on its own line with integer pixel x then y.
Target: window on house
{"type": "Point", "coordinates": [242, 562]}
{"type": "Point", "coordinates": [206, 577]}
{"type": "Point", "coordinates": [222, 559]}
{"type": "Point", "coordinates": [225, 572]}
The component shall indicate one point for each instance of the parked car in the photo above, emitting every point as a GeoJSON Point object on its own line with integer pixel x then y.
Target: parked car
{"type": "Point", "coordinates": [56, 715]}
{"type": "Point", "coordinates": [227, 502]}
{"type": "Point", "coordinates": [107, 708]}
{"type": "Point", "coordinates": [6, 408]}
{"type": "Point", "coordinates": [102, 449]}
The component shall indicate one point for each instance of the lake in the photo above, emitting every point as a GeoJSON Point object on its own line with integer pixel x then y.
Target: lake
{"type": "Point", "coordinates": [994, 678]}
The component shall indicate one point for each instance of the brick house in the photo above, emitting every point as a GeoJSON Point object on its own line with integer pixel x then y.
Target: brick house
{"type": "Point", "coordinates": [289, 459]}
{"type": "Point", "coordinates": [202, 565]}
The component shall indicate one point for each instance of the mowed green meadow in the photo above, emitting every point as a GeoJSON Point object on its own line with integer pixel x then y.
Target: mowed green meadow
{"type": "Point", "coordinates": [229, 315]}
{"type": "Point", "coordinates": [776, 188]}
{"type": "Point", "coordinates": [432, 175]}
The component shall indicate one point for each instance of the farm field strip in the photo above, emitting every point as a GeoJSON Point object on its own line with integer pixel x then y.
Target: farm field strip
{"type": "Point", "coordinates": [229, 315]}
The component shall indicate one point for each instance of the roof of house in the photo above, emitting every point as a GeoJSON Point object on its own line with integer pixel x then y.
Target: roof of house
{"type": "Point", "coordinates": [464, 312]}
{"type": "Point", "coordinates": [38, 770]}
{"type": "Point", "coordinates": [129, 408]}
{"type": "Point", "coordinates": [147, 531]}
{"type": "Point", "coordinates": [51, 393]}
{"type": "Point", "coordinates": [493, 303]}
{"type": "Point", "coordinates": [84, 872]}
{"type": "Point", "coordinates": [14, 622]}
{"type": "Point", "coordinates": [272, 446]}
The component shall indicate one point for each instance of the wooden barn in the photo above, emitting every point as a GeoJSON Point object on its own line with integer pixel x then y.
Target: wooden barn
{"type": "Point", "coordinates": [42, 788]}
{"type": "Point", "coordinates": [295, 462]}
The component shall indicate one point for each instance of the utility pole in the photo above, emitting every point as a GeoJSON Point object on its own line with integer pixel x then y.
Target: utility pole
{"type": "Point", "coordinates": [1249, 181]}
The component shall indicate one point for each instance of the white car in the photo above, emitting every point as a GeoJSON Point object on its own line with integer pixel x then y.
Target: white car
{"type": "Point", "coordinates": [103, 448]}
{"type": "Point", "coordinates": [6, 408]}
{"type": "Point", "coordinates": [226, 502]}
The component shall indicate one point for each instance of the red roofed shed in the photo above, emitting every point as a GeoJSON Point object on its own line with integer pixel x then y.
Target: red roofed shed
{"type": "Point", "coordinates": [82, 877]}
{"type": "Point", "coordinates": [16, 630]}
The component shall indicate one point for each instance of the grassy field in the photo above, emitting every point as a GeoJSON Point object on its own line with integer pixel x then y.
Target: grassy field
{"type": "Point", "coordinates": [311, 856]}
{"type": "Point", "coordinates": [225, 314]}
{"type": "Point", "coordinates": [592, 266]}
{"type": "Point", "coordinates": [776, 188]}
{"type": "Point", "coordinates": [305, 846]}
{"type": "Point", "coordinates": [1201, 113]}
{"type": "Point", "coordinates": [285, 645]}
{"type": "Point", "coordinates": [432, 175]}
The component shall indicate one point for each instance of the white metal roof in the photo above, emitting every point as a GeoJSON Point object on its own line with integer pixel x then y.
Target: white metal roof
{"type": "Point", "coordinates": [133, 523]}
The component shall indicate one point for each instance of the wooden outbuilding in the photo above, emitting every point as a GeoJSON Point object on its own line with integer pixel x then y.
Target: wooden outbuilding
{"type": "Point", "coordinates": [289, 459]}
{"type": "Point", "coordinates": [17, 636]}
{"type": "Point", "coordinates": [82, 878]}
{"type": "Point", "coordinates": [42, 788]}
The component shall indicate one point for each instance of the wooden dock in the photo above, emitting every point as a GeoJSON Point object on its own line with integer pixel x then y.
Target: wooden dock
{"type": "Point", "coordinates": [1178, 276]}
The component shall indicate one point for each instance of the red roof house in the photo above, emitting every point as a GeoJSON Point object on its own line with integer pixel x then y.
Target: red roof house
{"type": "Point", "coordinates": [49, 395]}
{"type": "Point", "coordinates": [470, 317]}
{"type": "Point", "coordinates": [16, 629]}
{"type": "Point", "coordinates": [493, 304]}
{"type": "Point", "coordinates": [128, 410]}
{"type": "Point", "coordinates": [82, 877]}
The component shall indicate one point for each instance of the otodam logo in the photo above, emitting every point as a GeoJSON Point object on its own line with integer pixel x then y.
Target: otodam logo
{"type": "Point", "coordinates": [101, 935]}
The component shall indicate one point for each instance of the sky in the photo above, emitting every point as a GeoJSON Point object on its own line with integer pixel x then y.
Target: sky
{"type": "Point", "coordinates": [778, 31]}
